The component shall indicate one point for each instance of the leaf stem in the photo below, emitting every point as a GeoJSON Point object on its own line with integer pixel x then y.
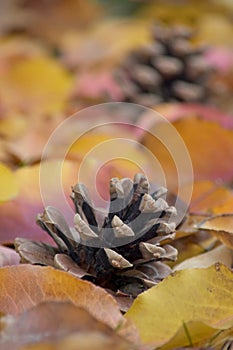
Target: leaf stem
{"type": "Point", "coordinates": [188, 334]}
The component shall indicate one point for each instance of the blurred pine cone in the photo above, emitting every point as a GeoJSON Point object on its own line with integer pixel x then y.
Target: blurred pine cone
{"type": "Point", "coordinates": [168, 69]}
{"type": "Point", "coordinates": [120, 251]}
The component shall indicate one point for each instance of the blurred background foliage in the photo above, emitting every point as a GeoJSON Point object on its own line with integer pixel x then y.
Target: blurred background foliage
{"type": "Point", "coordinates": [60, 56]}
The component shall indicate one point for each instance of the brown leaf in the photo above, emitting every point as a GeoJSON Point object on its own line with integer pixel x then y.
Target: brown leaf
{"type": "Point", "coordinates": [221, 254]}
{"type": "Point", "coordinates": [24, 286]}
{"type": "Point", "coordinates": [59, 325]}
{"type": "Point", "coordinates": [220, 226]}
{"type": "Point", "coordinates": [65, 16]}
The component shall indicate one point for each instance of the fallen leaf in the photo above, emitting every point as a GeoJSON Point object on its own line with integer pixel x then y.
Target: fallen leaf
{"type": "Point", "coordinates": [96, 47]}
{"type": "Point", "coordinates": [60, 325]}
{"type": "Point", "coordinates": [65, 16]}
{"type": "Point", "coordinates": [97, 86]}
{"type": "Point", "coordinates": [27, 147]}
{"type": "Point", "coordinates": [12, 17]}
{"type": "Point", "coordinates": [220, 254]}
{"type": "Point", "coordinates": [103, 155]}
{"type": "Point", "coordinates": [223, 340]}
{"type": "Point", "coordinates": [9, 186]}
{"type": "Point", "coordinates": [24, 286]}
{"type": "Point", "coordinates": [189, 241]}
{"type": "Point", "coordinates": [18, 216]}
{"type": "Point", "coordinates": [221, 226]}
{"type": "Point", "coordinates": [202, 295]}
{"type": "Point", "coordinates": [215, 29]}
{"type": "Point", "coordinates": [220, 58]}
{"type": "Point", "coordinates": [12, 125]}
{"type": "Point", "coordinates": [226, 207]}
{"type": "Point", "coordinates": [14, 48]}
{"type": "Point", "coordinates": [207, 134]}
{"type": "Point", "coordinates": [192, 334]}
{"type": "Point", "coordinates": [36, 85]}
{"type": "Point", "coordinates": [176, 111]}
{"type": "Point", "coordinates": [188, 13]}
{"type": "Point", "coordinates": [186, 251]}
{"type": "Point", "coordinates": [8, 256]}
{"type": "Point", "coordinates": [209, 197]}
{"type": "Point", "coordinates": [85, 341]}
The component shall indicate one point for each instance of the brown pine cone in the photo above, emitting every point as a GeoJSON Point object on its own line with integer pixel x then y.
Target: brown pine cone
{"type": "Point", "coordinates": [170, 68]}
{"type": "Point", "coordinates": [122, 250]}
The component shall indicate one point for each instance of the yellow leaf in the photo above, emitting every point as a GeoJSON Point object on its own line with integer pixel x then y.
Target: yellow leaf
{"type": "Point", "coordinates": [190, 334]}
{"type": "Point", "coordinates": [9, 188]}
{"type": "Point", "coordinates": [192, 295]}
{"type": "Point", "coordinates": [36, 84]}
{"type": "Point", "coordinates": [12, 125]}
{"type": "Point", "coordinates": [215, 29]}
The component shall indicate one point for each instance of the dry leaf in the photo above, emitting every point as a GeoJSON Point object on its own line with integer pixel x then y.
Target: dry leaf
{"type": "Point", "coordinates": [202, 295]}
{"type": "Point", "coordinates": [96, 47]}
{"type": "Point", "coordinates": [60, 325]}
{"type": "Point", "coordinates": [36, 85]}
{"type": "Point", "coordinates": [65, 16]}
{"type": "Point", "coordinates": [188, 13]}
{"type": "Point", "coordinates": [220, 254]}
{"type": "Point", "coordinates": [97, 86]}
{"type": "Point", "coordinates": [27, 147]}
{"type": "Point", "coordinates": [194, 333]}
{"type": "Point", "coordinates": [207, 134]}
{"type": "Point", "coordinates": [9, 186]}
{"type": "Point", "coordinates": [209, 197]}
{"type": "Point", "coordinates": [18, 216]}
{"type": "Point", "coordinates": [215, 30]}
{"type": "Point", "coordinates": [12, 125]}
{"type": "Point", "coordinates": [24, 286]}
{"type": "Point", "coordinates": [221, 226]}
{"type": "Point", "coordinates": [8, 257]}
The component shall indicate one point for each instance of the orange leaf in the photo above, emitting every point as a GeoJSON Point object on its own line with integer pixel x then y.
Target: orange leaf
{"type": "Point", "coordinates": [104, 155]}
{"type": "Point", "coordinates": [210, 197]}
{"type": "Point", "coordinates": [207, 134]}
{"type": "Point", "coordinates": [24, 286]}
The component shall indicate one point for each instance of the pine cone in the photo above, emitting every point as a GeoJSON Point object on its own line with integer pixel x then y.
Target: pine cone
{"type": "Point", "coordinates": [121, 253]}
{"type": "Point", "coordinates": [169, 69]}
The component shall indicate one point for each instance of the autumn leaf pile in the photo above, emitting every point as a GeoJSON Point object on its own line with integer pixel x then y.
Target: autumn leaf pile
{"type": "Point", "coordinates": [58, 58]}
